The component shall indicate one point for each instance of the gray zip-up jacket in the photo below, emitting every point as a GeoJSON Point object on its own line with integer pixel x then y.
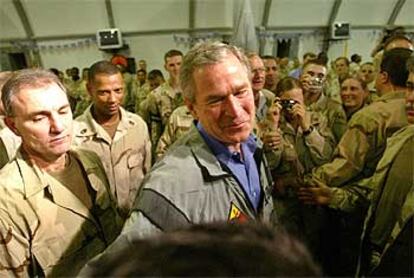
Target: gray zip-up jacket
{"type": "Point", "coordinates": [188, 186]}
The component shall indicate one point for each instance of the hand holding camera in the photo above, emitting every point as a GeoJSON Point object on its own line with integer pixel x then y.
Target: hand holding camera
{"type": "Point", "coordinates": [297, 111]}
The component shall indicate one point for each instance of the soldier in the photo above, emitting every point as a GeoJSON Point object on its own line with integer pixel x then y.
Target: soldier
{"type": "Point", "coordinates": [362, 146]}
{"type": "Point", "coordinates": [119, 137]}
{"type": "Point", "coordinates": [313, 79]}
{"type": "Point", "coordinates": [307, 143]}
{"type": "Point", "coordinates": [272, 73]}
{"type": "Point", "coordinates": [178, 124]}
{"type": "Point", "coordinates": [155, 79]}
{"type": "Point", "coordinates": [387, 241]}
{"type": "Point", "coordinates": [56, 209]}
{"type": "Point", "coordinates": [367, 74]}
{"type": "Point", "coordinates": [216, 172]}
{"type": "Point", "coordinates": [167, 97]}
{"type": "Point", "coordinates": [354, 94]}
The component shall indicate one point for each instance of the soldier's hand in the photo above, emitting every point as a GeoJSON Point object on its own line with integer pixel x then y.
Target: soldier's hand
{"type": "Point", "coordinates": [299, 111]}
{"type": "Point", "coordinates": [272, 139]}
{"type": "Point", "coordinates": [315, 195]}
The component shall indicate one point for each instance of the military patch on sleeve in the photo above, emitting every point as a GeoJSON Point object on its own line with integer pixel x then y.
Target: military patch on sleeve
{"type": "Point", "coordinates": [236, 215]}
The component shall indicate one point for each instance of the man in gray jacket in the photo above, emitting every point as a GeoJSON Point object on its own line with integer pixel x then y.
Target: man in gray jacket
{"type": "Point", "coordinates": [215, 172]}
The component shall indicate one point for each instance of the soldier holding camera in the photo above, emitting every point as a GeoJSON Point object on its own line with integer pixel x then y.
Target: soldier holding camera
{"type": "Point", "coordinates": [307, 142]}
{"type": "Point", "coordinates": [313, 80]}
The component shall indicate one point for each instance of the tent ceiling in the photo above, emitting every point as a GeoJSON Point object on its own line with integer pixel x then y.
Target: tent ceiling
{"type": "Point", "coordinates": [56, 19]}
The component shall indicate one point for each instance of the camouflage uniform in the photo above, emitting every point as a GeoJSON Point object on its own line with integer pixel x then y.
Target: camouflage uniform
{"type": "Point", "coordinates": [356, 157]}
{"type": "Point", "coordinates": [129, 93]}
{"type": "Point", "coordinates": [126, 157]}
{"type": "Point", "coordinates": [300, 153]}
{"type": "Point", "coordinates": [388, 232]}
{"type": "Point", "coordinates": [140, 93]}
{"type": "Point", "coordinates": [364, 141]}
{"type": "Point", "coordinates": [44, 227]}
{"type": "Point", "coordinates": [179, 123]}
{"type": "Point", "coordinates": [161, 102]}
{"type": "Point", "coordinates": [390, 190]}
{"type": "Point", "coordinates": [334, 113]}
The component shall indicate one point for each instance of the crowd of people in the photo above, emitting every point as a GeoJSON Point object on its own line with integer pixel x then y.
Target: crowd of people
{"type": "Point", "coordinates": [235, 164]}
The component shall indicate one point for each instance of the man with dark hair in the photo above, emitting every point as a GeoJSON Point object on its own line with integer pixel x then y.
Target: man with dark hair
{"type": "Point", "coordinates": [155, 79]}
{"type": "Point", "coordinates": [119, 137]}
{"type": "Point", "coordinates": [56, 209]}
{"type": "Point", "coordinates": [362, 145]}
{"type": "Point", "coordinates": [214, 250]}
{"type": "Point", "coordinates": [367, 74]}
{"type": "Point", "coordinates": [216, 172]}
{"type": "Point", "coordinates": [272, 73]}
{"type": "Point", "coordinates": [163, 100]}
{"type": "Point", "coordinates": [305, 59]}
{"type": "Point", "coordinates": [340, 71]}
{"type": "Point", "coordinates": [313, 80]}
{"type": "Point", "coordinates": [387, 248]}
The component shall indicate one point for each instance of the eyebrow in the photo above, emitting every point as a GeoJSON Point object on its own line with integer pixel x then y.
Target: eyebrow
{"type": "Point", "coordinates": [47, 112]}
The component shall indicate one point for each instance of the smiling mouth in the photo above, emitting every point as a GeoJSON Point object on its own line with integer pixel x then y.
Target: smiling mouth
{"type": "Point", "coordinates": [59, 140]}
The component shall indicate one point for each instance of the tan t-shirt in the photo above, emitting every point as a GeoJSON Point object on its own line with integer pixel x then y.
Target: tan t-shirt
{"type": "Point", "coordinates": [74, 179]}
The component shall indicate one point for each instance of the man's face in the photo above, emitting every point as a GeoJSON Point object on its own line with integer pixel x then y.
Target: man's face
{"type": "Point", "coordinates": [107, 92]}
{"type": "Point", "coordinates": [367, 73]}
{"type": "Point", "coordinates": [224, 101]}
{"type": "Point", "coordinates": [258, 73]}
{"type": "Point", "coordinates": [155, 82]}
{"type": "Point", "coordinates": [341, 68]}
{"type": "Point", "coordinates": [141, 77]}
{"type": "Point", "coordinates": [293, 94]}
{"type": "Point", "coordinates": [142, 64]}
{"type": "Point", "coordinates": [43, 119]}
{"type": "Point", "coordinates": [410, 98]}
{"type": "Point", "coordinates": [272, 72]}
{"type": "Point", "coordinates": [352, 94]}
{"type": "Point", "coordinates": [312, 78]}
{"type": "Point", "coordinates": [173, 65]}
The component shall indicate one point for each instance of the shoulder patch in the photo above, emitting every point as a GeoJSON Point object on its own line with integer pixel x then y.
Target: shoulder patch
{"type": "Point", "coordinates": [236, 215]}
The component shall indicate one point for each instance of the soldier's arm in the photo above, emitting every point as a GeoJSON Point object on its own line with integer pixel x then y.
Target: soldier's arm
{"type": "Point", "coordinates": [346, 198]}
{"type": "Point", "coordinates": [348, 160]}
{"type": "Point", "coordinates": [321, 145]}
{"type": "Point", "coordinates": [339, 125]}
{"type": "Point", "coordinates": [167, 137]}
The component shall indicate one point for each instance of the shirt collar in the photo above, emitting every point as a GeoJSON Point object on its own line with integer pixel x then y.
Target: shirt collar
{"type": "Point", "coordinates": [220, 150]}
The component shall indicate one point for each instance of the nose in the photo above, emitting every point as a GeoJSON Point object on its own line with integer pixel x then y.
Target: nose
{"type": "Point", "coordinates": [232, 107]}
{"type": "Point", "coordinates": [57, 124]}
{"type": "Point", "coordinates": [112, 97]}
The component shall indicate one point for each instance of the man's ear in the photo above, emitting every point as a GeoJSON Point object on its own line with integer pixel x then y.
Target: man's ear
{"type": "Point", "coordinates": [383, 76]}
{"type": "Point", "coordinates": [191, 107]}
{"type": "Point", "coordinates": [10, 123]}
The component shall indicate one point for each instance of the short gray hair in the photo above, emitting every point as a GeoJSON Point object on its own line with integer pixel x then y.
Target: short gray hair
{"type": "Point", "coordinates": [23, 79]}
{"type": "Point", "coordinates": [203, 54]}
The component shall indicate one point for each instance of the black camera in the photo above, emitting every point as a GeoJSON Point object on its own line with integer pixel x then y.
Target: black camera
{"type": "Point", "coordinates": [287, 104]}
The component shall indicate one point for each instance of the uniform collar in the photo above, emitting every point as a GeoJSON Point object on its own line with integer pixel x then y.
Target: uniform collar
{"type": "Point", "coordinates": [36, 180]}
{"type": "Point", "coordinates": [92, 128]}
{"type": "Point", "coordinates": [392, 95]}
